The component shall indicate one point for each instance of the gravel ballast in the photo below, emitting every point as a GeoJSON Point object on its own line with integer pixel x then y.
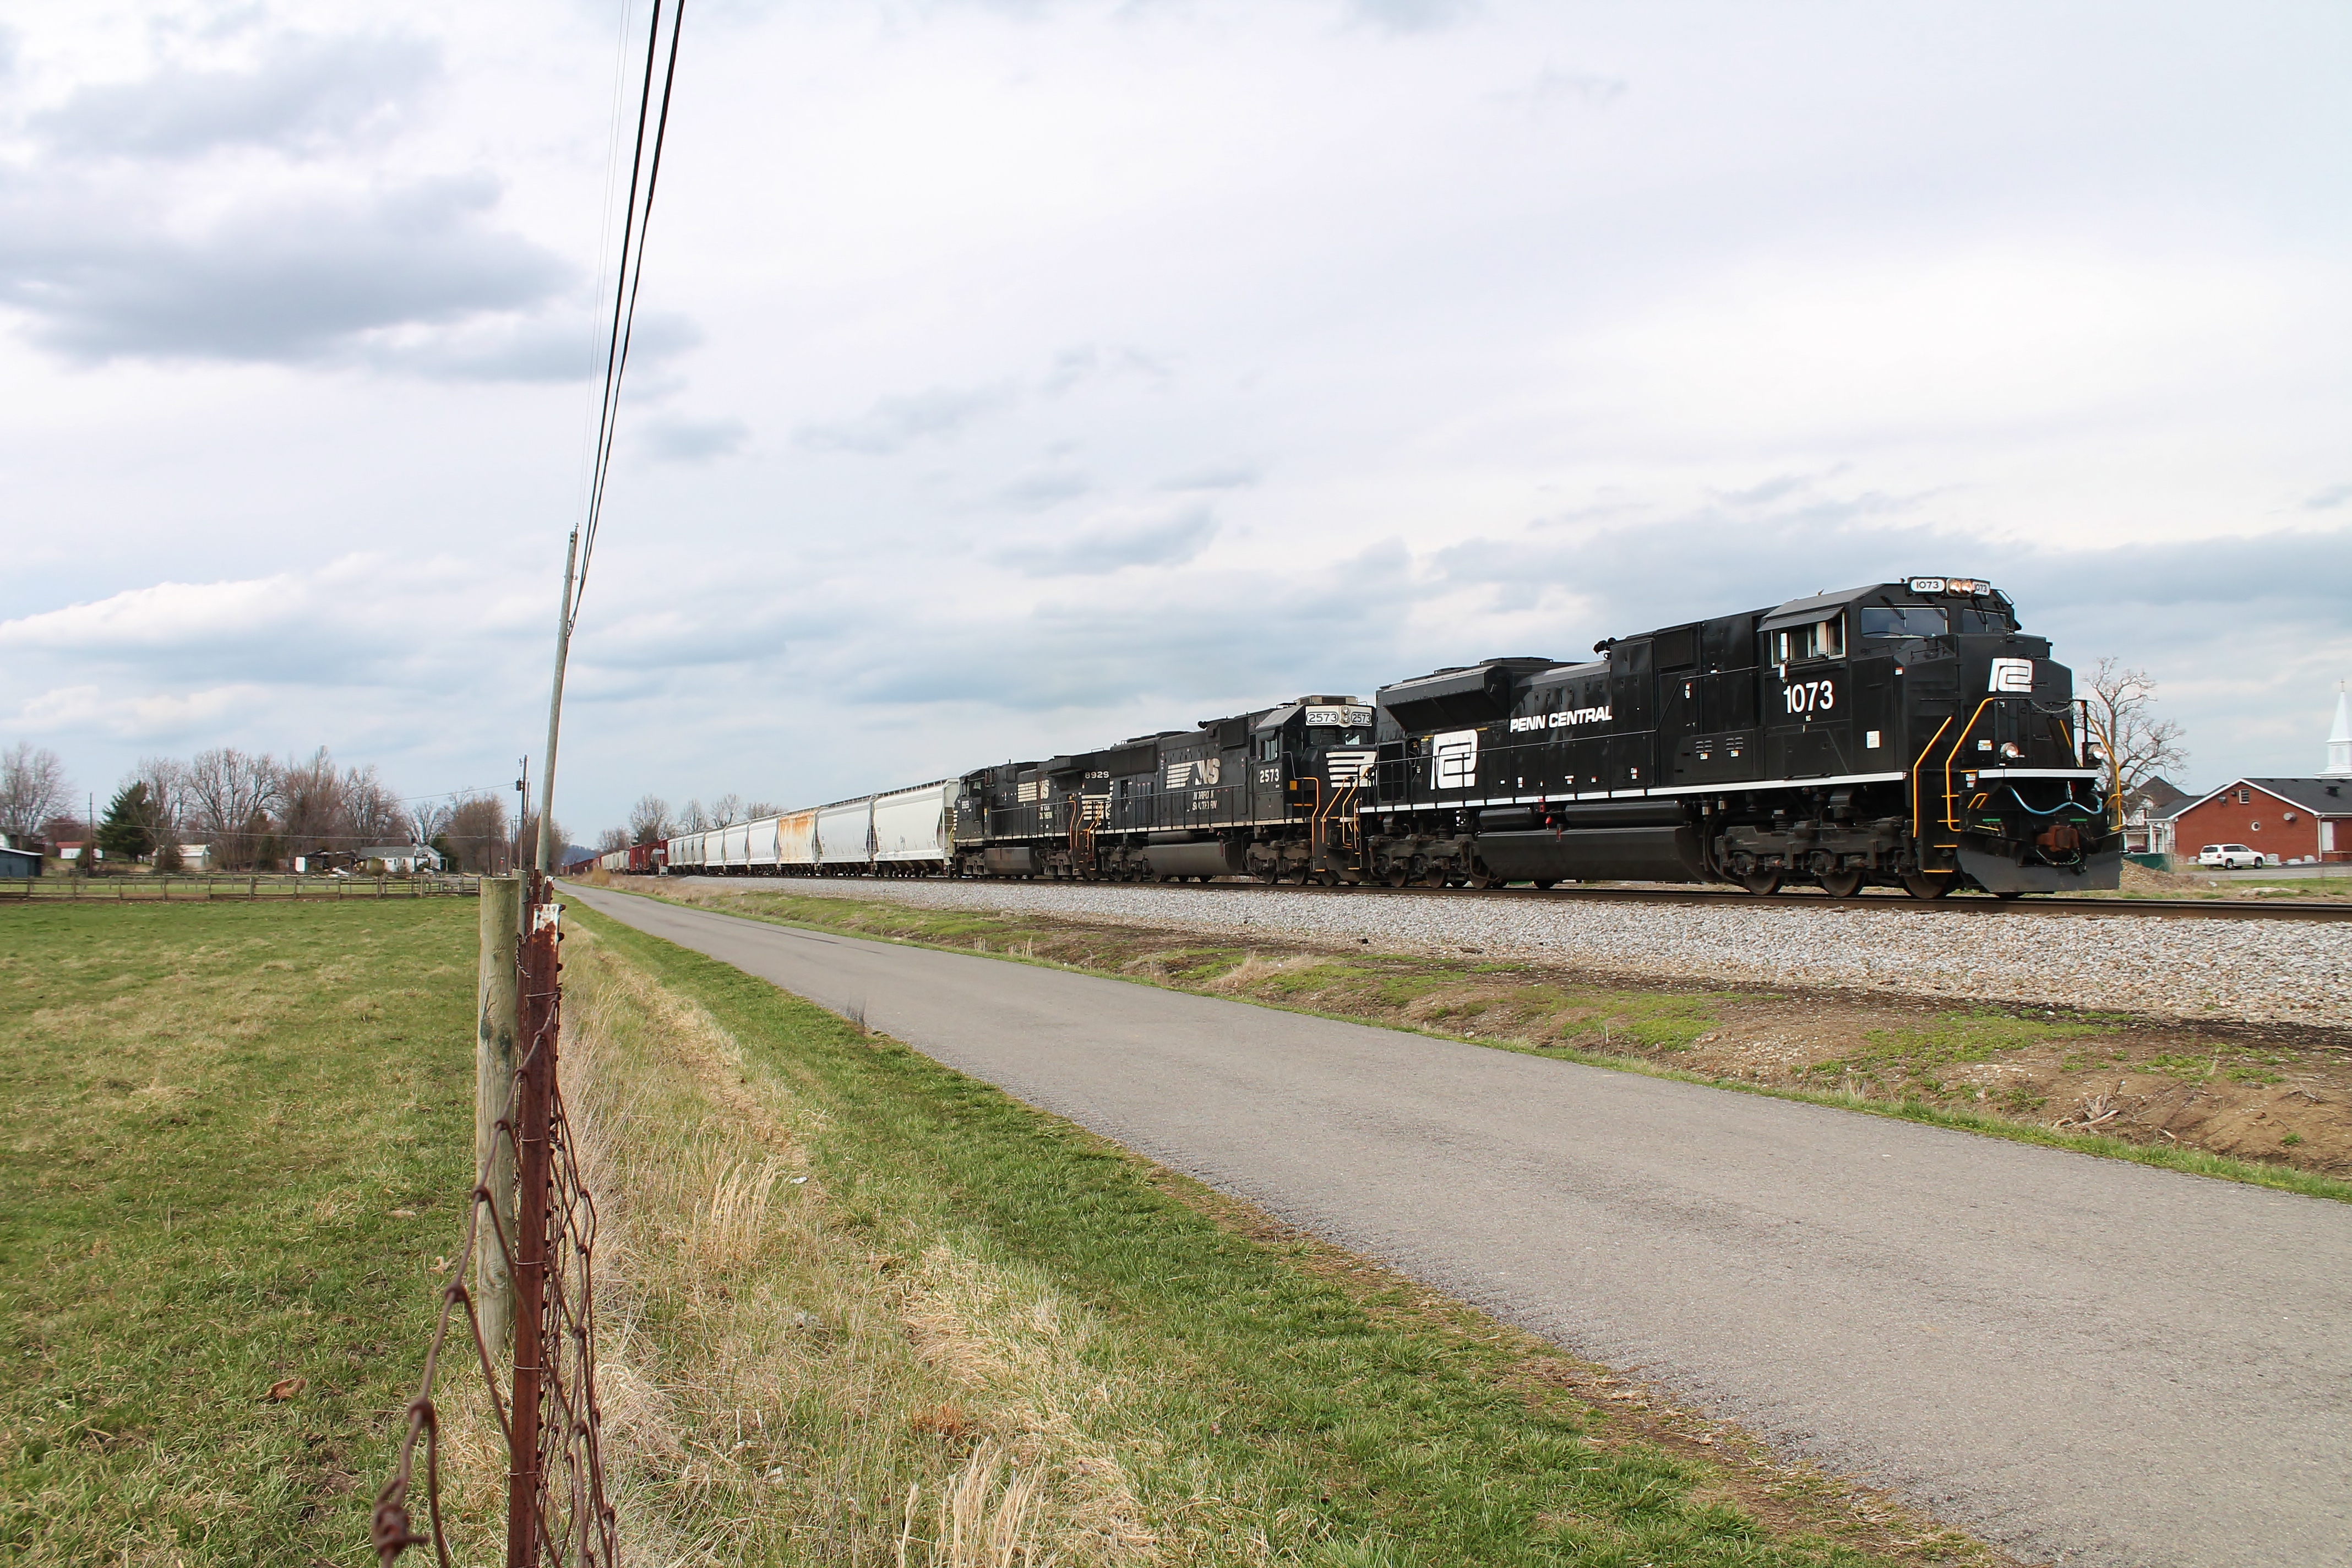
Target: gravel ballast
{"type": "Point", "coordinates": [2288, 972]}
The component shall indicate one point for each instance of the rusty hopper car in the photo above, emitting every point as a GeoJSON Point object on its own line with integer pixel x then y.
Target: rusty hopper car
{"type": "Point", "coordinates": [1906, 734]}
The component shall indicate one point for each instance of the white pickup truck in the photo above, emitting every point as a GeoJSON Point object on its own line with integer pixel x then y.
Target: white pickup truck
{"type": "Point", "coordinates": [2230, 857]}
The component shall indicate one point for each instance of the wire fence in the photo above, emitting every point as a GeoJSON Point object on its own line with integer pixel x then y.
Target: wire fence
{"type": "Point", "coordinates": [544, 1231]}
{"type": "Point", "coordinates": [163, 890]}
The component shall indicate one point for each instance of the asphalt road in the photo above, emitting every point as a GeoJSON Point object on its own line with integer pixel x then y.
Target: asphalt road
{"type": "Point", "coordinates": [2078, 1359]}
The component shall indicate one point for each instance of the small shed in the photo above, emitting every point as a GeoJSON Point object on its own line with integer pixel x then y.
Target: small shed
{"type": "Point", "coordinates": [20, 862]}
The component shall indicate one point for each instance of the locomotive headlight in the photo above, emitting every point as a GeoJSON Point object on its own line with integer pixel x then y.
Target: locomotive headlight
{"type": "Point", "coordinates": [1963, 587]}
{"type": "Point", "coordinates": [2011, 751]}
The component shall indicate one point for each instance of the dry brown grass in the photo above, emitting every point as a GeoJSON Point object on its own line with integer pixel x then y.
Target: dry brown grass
{"type": "Point", "coordinates": [769, 1376]}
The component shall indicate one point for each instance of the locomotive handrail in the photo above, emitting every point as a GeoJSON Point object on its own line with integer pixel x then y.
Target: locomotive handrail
{"type": "Point", "coordinates": [1926, 757]}
{"type": "Point", "coordinates": [1951, 815]}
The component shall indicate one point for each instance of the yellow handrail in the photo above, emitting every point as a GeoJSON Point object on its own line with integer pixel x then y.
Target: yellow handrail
{"type": "Point", "coordinates": [1951, 818]}
{"type": "Point", "coordinates": [1925, 753]}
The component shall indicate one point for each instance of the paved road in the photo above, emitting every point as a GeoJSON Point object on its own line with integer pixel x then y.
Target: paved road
{"type": "Point", "coordinates": [2081, 1360]}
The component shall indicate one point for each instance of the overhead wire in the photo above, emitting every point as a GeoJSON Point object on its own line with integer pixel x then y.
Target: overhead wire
{"type": "Point", "coordinates": [636, 225]}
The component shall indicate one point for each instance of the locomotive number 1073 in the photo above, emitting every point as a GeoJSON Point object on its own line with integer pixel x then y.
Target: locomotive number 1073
{"type": "Point", "coordinates": [1810, 696]}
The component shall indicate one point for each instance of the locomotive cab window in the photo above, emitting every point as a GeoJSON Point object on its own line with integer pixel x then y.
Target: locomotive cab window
{"type": "Point", "coordinates": [1820, 639]}
{"type": "Point", "coordinates": [1332, 736]}
{"type": "Point", "coordinates": [1903, 621]}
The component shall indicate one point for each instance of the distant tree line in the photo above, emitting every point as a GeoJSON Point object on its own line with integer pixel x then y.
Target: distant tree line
{"type": "Point", "coordinates": [251, 811]}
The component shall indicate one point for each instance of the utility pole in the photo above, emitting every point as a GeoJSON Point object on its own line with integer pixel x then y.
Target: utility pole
{"type": "Point", "coordinates": [522, 816]}
{"type": "Point", "coordinates": [547, 846]}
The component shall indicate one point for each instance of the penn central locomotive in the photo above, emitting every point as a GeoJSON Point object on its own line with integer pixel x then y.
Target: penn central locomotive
{"type": "Point", "coordinates": [1907, 734]}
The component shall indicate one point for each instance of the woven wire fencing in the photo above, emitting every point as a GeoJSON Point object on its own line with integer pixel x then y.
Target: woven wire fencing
{"type": "Point", "coordinates": [529, 1253]}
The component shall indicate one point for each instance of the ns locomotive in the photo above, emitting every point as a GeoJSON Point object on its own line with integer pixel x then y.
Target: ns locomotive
{"type": "Point", "coordinates": [1905, 733]}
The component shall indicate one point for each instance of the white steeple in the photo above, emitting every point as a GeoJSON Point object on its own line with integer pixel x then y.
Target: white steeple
{"type": "Point", "coordinates": [2339, 739]}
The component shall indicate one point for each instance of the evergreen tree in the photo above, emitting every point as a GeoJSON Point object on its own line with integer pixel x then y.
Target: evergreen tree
{"type": "Point", "coordinates": [127, 833]}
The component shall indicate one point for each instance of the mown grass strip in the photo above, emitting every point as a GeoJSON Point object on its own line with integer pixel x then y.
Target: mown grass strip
{"type": "Point", "coordinates": [1669, 1015]}
{"type": "Point", "coordinates": [235, 1137]}
{"type": "Point", "coordinates": [1247, 1408]}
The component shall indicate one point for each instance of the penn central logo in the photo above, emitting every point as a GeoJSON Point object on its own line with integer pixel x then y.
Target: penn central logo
{"type": "Point", "coordinates": [1567, 718]}
{"type": "Point", "coordinates": [2013, 675]}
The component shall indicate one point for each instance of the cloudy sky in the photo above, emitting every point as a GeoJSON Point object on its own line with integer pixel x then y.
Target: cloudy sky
{"type": "Point", "coordinates": [1018, 376]}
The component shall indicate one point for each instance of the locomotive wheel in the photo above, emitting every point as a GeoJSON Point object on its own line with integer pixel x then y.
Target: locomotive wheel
{"type": "Point", "coordinates": [1329, 879]}
{"type": "Point", "coordinates": [1841, 884]}
{"type": "Point", "coordinates": [1436, 878]}
{"type": "Point", "coordinates": [1544, 884]}
{"type": "Point", "coordinates": [1398, 877]}
{"type": "Point", "coordinates": [1919, 885]}
{"type": "Point", "coordinates": [2012, 893]}
{"type": "Point", "coordinates": [1761, 883]}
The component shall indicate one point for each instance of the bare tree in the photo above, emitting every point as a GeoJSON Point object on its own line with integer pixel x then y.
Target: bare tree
{"type": "Point", "coordinates": [33, 788]}
{"type": "Point", "coordinates": [166, 785]}
{"type": "Point", "coordinates": [759, 809]}
{"type": "Point", "coordinates": [2134, 745]}
{"type": "Point", "coordinates": [477, 832]}
{"type": "Point", "coordinates": [230, 794]}
{"type": "Point", "coordinates": [692, 818]}
{"type": "Point", "coordinates": [428, 820]}
{"type": "Point", "coordinates": [372, 813]}
{"type": "Point", "coordinates": [727, 808]}
{"type": "Point", "coordinates": [529, 829]}
{"type": "Point", "coordinates": [611, 838]}
{"type": "Point", "coordinates": [650, 820]}
{"type": "Point", "coordinates": [311, 808]}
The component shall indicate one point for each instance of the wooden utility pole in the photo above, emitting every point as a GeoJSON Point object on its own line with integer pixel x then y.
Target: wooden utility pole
{"type": "Point", "coordinates": [494, 1074]}
{"type": "Point", "coordinates": [548, 848]}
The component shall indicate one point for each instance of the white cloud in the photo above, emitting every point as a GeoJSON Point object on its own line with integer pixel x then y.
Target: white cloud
{"type": "Point", "coordinates": [1011, 377]}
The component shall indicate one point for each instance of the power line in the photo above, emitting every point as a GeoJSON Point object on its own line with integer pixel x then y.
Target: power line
{"type": "Point", "coordinates": [638, 223]}
{"type": "Point", "coordinates": [580, 550]}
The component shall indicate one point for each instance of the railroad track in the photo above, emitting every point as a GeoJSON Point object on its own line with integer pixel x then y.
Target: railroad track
{"type": "Point", "coordinates": [1875, 901]}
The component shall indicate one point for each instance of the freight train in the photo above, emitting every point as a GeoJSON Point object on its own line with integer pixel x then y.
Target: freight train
{"type": "Point", "coordinates": [1906, 734]}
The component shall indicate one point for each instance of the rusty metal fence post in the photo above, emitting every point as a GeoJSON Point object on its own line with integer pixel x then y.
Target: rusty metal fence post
{"type": "Point", "coordinates": [536, 1012]}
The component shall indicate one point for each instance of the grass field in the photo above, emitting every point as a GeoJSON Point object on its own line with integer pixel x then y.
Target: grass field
{"type": "Point", "coordinates": [857, 1309]}
{"type": "Point", "coordinates": [235, 1136]}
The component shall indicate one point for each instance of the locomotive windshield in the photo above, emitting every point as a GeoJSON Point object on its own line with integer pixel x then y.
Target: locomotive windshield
{"type": "Point", "coordinates": [1904, 621]}
{"type": "Point", "coordinates": [1925, 621]}
{"type": "Point", "coordinates": [1330, 735]}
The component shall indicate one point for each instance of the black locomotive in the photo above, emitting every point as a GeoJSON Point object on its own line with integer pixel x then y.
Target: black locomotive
{"type": "Point", "coordinates": [1906, 734]}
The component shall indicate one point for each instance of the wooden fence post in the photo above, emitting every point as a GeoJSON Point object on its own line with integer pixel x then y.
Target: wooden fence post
{"type": "Point", "coordinates": [494, 1071]}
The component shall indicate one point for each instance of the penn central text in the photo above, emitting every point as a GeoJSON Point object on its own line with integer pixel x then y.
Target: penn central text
{"type": "Point", "coordinates": [1564, 719]}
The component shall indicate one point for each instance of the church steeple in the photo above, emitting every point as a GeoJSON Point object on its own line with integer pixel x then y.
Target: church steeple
{"type": "Point", "coordinates": [2339, 739]}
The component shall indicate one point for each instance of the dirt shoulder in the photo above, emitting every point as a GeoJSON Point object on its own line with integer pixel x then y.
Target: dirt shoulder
{"type": "Point", "coordinates": [2265, 1102]}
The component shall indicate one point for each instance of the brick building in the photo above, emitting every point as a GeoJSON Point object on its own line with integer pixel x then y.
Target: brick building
{"type": "Point", "coordinates": [2291, 821]}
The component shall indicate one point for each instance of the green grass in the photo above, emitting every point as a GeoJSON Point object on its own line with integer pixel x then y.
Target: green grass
{"type": "Point", "coordinates": [234, 1137]}
{"type": "Point", "coordinates": [1947, 1040]}
{"type": "Point", "coordinates": [1250, 1390]}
